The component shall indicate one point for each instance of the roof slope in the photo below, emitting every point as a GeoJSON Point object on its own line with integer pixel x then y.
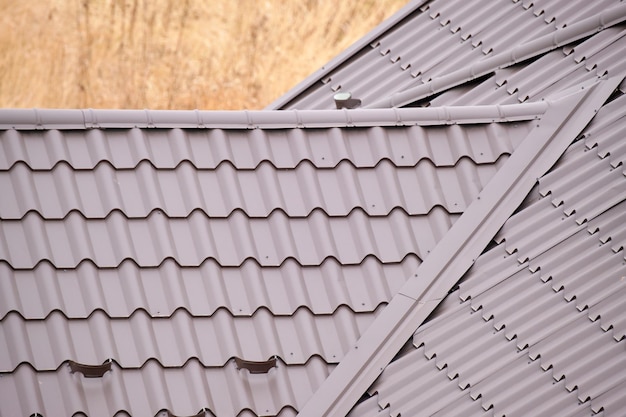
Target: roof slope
{"type": "Point", "coordinates": [226, 263]}
{"type": "Point", "coordinates": [168, 252]}
{"type": "Point", "coordinates": [536, 326]}
{"type": "Point", "coordinates": [431, 44]}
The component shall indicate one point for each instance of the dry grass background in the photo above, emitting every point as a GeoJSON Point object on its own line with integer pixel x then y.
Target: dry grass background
{"type": "Point", "coordinates": [171, 54]}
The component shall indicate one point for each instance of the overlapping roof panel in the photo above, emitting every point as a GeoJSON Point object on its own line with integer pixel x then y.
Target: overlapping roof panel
{"type": "Point", "coordinates": [537, 325]}
{"type": "Point", "coordinates": [166, 250]}
{"type": "Point", "coordinates": [152, 388]}
{"type": "Point", "coordinates": [173, 340]}
{"type": "Point", "coordinates": [173, 245]}
{"type": "Point", "coordinates": [436, 39]}
{"type": "Point", "coordinates": [160, 291]}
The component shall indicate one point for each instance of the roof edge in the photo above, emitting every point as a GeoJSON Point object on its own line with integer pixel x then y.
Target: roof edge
{"type": "Point", "coordinates": [363, 42]}
{"type": "Point", "coordinates": [59, 119]}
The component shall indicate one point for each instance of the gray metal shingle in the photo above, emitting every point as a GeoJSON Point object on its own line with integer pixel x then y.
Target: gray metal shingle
{"type": "Point", "coordinates": [201, 291]}
{"type": "Point", "coordinates": [145, 391]}
{"type": "Point", "coordinates": [229, 241]}
{"type": "Point", "coordinates": [172, 340]}
{"type": "Point", "coordinates": [337, 191]}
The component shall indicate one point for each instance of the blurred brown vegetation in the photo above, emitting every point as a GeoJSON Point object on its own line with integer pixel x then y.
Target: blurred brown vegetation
{"type": "Point", "coordinates": [171, 54]}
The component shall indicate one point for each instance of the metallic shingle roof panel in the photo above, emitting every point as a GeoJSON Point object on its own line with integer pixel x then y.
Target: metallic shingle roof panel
{"type": "Point", "coordinates": [584, 184]}
{"type": "Point", "coordinates": [215, 243]}
{"type": "Point", "coordinates": [545, 313]}
{"type": "Point", "coordinates": [98, 192]}
{"type": "Point", "coordinates": [229, 241]}
{"type": "Point", "coordinates": [247, 149]}
{"type": "Point", "coordinates": [369, 408]}
{"type": "Point", "coordinates": [201, 291]}
{"type": "Point", "coordinates": [548, 74]}
{"type": "Point", "coordinates": [270, 231]}
{"type": "Point", "coordinates": [173, 340]}
{"type": "Point", "coordinates": [144, 392]}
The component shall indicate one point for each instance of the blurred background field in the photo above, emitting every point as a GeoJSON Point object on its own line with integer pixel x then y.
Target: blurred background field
{"type": "Point", "coordinates": [171, 54]}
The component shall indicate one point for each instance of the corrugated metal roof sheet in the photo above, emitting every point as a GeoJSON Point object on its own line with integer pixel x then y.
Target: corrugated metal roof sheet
{"type": "Point", "coordinates": [426, 44]}
{"type": "Point", "coordinates": [459, 248]}
{"type": "Point", "coordinates": [541, 332]}
{"type": "Point", "coordinates": [412, 54]}
{"type": "Point", "coordinates": [555, 71]}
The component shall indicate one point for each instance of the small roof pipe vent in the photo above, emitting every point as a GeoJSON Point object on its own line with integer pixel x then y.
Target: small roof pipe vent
{"type": "Point", "coordinates": [345, 101]}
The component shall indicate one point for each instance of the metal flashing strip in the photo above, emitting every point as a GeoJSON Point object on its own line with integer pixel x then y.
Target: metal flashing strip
{"type": "Point", "coordinates": [458, 249]}
{"type": "Point", "coordinates": [505, 59]}
{"type": "Point", "coordinates": [48, 119]}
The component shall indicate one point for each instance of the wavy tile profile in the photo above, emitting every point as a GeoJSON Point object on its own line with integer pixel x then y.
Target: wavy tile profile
{"type": "Point", "coordinates": [218, 193]}
{"type": "Point", "coordinates": [183, 391]}
{"type": "Point", "coordinates": [202, 290]}
{"type": "Point", "coordinates": [231, 241]}
{"type": "Point", "coordinates": [173, 340]}
{"type": "Point", "coordinates": [247, 149]}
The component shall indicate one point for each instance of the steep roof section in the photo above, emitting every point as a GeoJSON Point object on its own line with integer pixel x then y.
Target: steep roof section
{"type": "Point", "coordinates": [435, 45]}
{"type": "Point", "coordinates": [539, 317]}
{"type": "Point", "coordinates": [187, 251]}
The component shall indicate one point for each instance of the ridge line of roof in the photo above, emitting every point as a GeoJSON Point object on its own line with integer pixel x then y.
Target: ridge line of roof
{"type": "Point", "coordinates": [361, 43]}
{"type": "Point", "coordinates": [456, 251]}
{"type": "Point", "coordinates": [79, 119]}
{"type": "Point", "coordinates": [530, 49]}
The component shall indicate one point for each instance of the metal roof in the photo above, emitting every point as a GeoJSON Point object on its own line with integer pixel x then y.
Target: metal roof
{"type": "Point", "coordinates": [231, 263]}
{"type": "Point", "coordinates": [174, 249]}
{"type": "Point", "coordinates": [534, 329]}
{"type": "Point", "coordinates": [443, 43]}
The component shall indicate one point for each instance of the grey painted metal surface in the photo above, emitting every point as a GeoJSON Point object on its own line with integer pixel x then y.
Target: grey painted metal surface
{"type": "Point", "coordinates": [524, 51]}
{"type": "Point", "coordinates": [160, 291]}
{"type": "Point", "coordinates": [298, 192]}
{"type": "Point", "coordinates": [457, 250]}
{"type": "Point", "coordinates": [562, 307]}
{"type": "Point", "coordinates": [562, 68]}
{"type": "Point", "coordinates": [45, 119]}
{"type": "Point", "coordinates": [176, 338]}
{"type": "Point", "coordinates": [244, 149]}
{"type": "Point", "coordinates": [229, 241]}
{"type": "Point", "coordinates": [540, 314]}
{"type": "Point", "coordinates": [161, 247]}
{"type": "Point", "coordinates": [146, 391]}
{"type": "Point", "coordinates": [438, 39]}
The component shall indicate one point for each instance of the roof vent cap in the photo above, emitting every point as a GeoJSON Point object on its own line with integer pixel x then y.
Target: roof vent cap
{"type": "Point", "coordinates": [344, 100]}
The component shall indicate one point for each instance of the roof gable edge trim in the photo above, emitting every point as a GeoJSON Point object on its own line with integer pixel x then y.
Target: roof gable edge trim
{"type": "Point", "coordinates": [58, 119]}
{"type": "Point", "coordinates": [457, 251]}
